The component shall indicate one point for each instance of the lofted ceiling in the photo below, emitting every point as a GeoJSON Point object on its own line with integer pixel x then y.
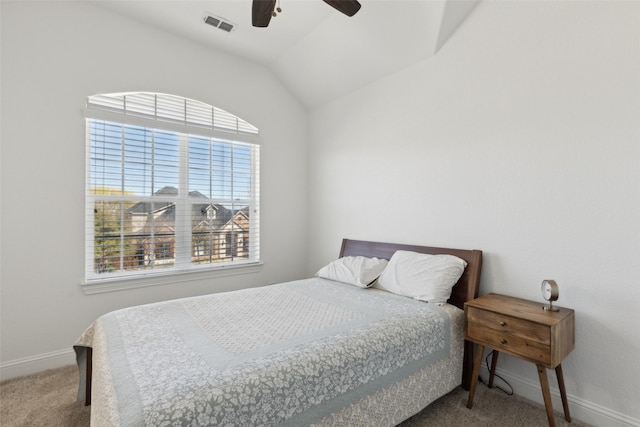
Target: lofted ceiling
{"type": "Point", "coordinates": [318, 53]}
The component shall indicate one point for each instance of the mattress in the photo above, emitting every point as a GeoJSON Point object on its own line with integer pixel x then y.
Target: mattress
{"type": "Point", "coordinates": [308, 352]}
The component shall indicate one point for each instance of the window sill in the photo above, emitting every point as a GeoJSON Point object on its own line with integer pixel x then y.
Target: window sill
{"type": "Point", "coordinates": [124, 283]}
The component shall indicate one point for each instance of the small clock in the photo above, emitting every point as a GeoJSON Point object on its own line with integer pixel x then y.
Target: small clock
{"type": "Point", "coordinates": [549, 290]}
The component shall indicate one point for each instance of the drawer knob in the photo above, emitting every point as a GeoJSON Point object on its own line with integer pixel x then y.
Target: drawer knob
{"type": "Point", "coordinates": [503, 341]}
{"type": "Point", "coordinates": [503, 323]}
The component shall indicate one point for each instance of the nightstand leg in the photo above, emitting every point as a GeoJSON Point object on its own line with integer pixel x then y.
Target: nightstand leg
{"type": "Point", "coordinates": [546, 395]}
{"type": "Point", "coordinates": [474, 374]}
{"type": "Point", "coordinates": [492, 373]}
{"type": "Point", "coordinates": [563, 393]}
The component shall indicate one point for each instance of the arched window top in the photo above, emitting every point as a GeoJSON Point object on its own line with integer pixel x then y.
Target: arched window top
{"type": "Point", "coordinates": [170, 109]}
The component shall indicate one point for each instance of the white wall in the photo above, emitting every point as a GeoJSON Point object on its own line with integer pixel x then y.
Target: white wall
{"type": "Point", "coordinates": [55, 54]}
{"type": "Point", "coordinates": [521, 137]}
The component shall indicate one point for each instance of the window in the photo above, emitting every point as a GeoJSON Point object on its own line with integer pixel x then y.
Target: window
{"type": "Point", "coordinates": [172, 186]}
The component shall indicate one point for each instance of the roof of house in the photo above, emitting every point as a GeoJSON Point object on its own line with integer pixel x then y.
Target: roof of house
{"type": "Point", "coordinates": [165, 212]}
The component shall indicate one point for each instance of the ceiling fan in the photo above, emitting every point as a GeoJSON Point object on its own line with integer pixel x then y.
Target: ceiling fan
{"type": "Point", "coordinates": [263, 10]}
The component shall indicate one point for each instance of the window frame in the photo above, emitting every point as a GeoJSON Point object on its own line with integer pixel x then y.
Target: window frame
{"type": "Point", "coordinates": [183, 269]}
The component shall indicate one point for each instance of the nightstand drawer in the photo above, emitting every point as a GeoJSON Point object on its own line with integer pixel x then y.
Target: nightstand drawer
{"type": "Point", "coordinates": [509, 325]}
{"type": "Point", "coordinates": [516, 345]}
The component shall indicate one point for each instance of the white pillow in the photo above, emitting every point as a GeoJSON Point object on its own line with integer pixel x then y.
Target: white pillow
{"type": "Point", "coordinates": [421, 276]}
{"type": "Point", "coordinates": [355, 270]}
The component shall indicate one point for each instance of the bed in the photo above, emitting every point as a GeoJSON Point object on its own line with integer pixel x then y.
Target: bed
{"type": "Point", "coordinates": [309, 352]}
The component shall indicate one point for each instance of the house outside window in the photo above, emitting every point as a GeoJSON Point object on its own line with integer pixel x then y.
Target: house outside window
{"type": "Point", "coordinates": [172, 186]}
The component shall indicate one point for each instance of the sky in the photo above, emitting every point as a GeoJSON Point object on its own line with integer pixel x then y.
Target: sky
{"type": "Point", "coordinates": [140, 161]}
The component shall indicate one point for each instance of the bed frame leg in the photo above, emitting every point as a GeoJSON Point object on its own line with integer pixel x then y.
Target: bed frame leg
{"type": "Point", "coordinates": [467, 365]}
{"type": "Point", "coordinates": [87, 390]}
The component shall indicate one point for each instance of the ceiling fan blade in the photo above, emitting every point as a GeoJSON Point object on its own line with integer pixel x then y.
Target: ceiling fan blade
{"type": "Point", "coordinates": [261, 12]}
{"type": "Point", "coordinates": [348, 7]}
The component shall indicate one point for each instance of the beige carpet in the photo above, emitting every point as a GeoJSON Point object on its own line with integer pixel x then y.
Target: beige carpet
{"type": "Point", "coordinates": [49, 399]}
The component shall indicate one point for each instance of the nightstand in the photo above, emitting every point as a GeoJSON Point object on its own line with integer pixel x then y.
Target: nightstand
{"type": "Point", "coordinates": [521, 328]}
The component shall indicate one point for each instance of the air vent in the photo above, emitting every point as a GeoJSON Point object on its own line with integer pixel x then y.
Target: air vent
{"type": "Point", "coordinates": [218, 22]}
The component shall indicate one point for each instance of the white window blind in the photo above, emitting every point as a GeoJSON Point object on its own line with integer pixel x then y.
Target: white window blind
{"type": "Point", "coordinates": [165, 192]}
{"type": "Point", "coordinates": [171, 109]}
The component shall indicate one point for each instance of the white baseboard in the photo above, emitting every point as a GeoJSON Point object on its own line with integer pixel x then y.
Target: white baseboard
{"type": "Point", "coordinates": [579, 408]}
{"type": "Point", "coordinates": [41, 362]}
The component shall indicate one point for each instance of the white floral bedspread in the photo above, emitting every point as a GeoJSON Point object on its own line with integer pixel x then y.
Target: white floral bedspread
{"type": "Point", "coordinates": [295, 354]}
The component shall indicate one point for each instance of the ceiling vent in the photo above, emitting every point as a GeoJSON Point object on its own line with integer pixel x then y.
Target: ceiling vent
{"type": "Point", "coordinates": [218, 22]}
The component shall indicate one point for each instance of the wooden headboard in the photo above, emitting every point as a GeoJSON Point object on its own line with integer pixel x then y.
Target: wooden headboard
{"type": "Point", "coordinates": [465, 290]}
